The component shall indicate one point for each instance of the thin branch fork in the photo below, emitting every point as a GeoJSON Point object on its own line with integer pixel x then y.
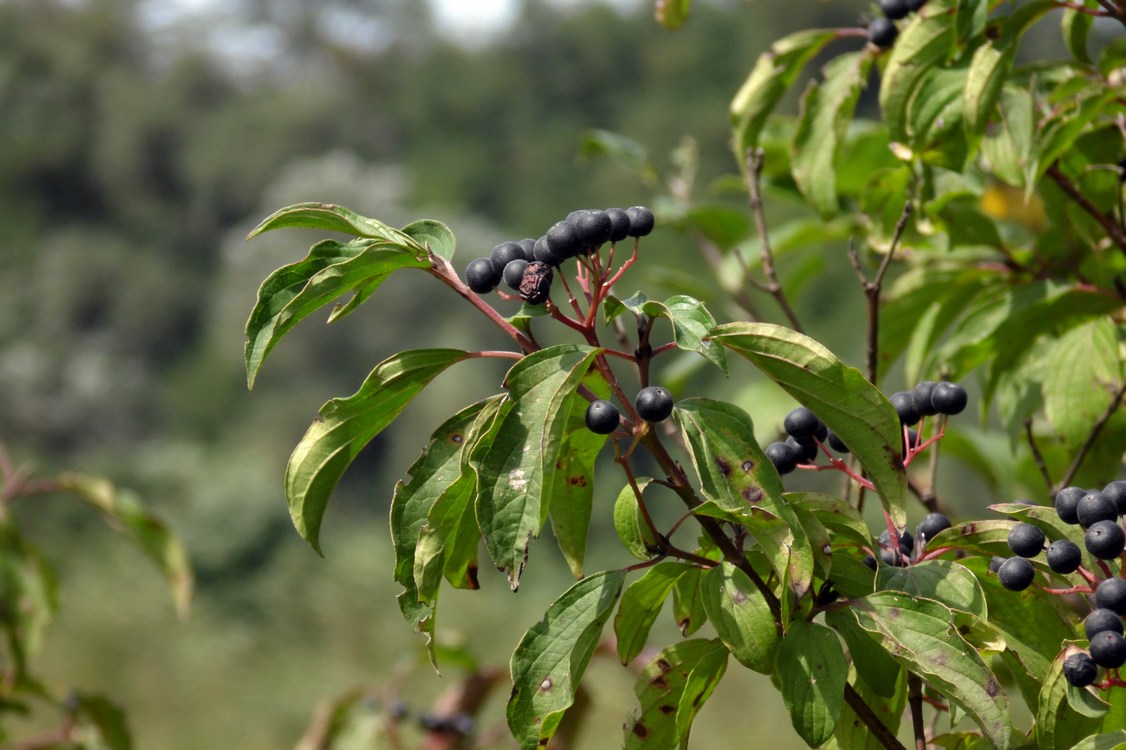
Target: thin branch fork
{"type": "Point", "coordinates": [773, 285]}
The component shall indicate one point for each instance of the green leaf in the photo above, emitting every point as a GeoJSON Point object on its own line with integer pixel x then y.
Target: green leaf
{"type": "Point", "coordinates": [988, 71]}
{"type": "Point", "coordinates": [331, 269]}
{"type": "Point", "coordinates": [1058, 725]}
{"type": "Point", "coordinates": [875, 666]}
{"type": "Point", "coordinates": [739, 614]}
{"type": "Point", "coordinates": [924, 42]}
{"type": "Point", "coordinates": [841, 396]}
{"type": "Point", "coordinates": [123, 511]}
{"type": "Point", "coordinates": [517, 470]}
{"type": "Point", "coordinates": [690, 321]}
{"type": "Point", "coordinates": [688, 602]}
{"type": "Point", "coordinates": [835, 514]}
{"type": "Point", "coordinates": [922, 634]}
{"type": "Point", "coordinates": [107, 719]}
{"type": "Point", "coordinates": [433, 236]}
{"type": "Point", "coordinates": [346, 425]}
{"type": "Point", "coordinates": [1109, 741]}
{"type": "Point", "coordinates": [774, 72]}
{"type": "Point", "coordinates": [331, 218]}
{"type": "Point", "coordinates": [1008, 147]}
{"type": "Point", "coordinates": [549, 662]}
{"type": "Point", "coordinates": [628, 522]}
{"type": "Point", "coordinates": [627, 151]}
{"type": "Point", "coordinates": [826, 111]}
{"type": "Point", "coordinates": [672, 13]}
{"type": "Point", "coordinates": [29, 589]}
{"type": "Point", "coordinates": [572, 491]}
{"type": "Point", "coordinates": [812, 670]}
{"type": "Point", "coordinates": [671, 690]}
{"type": "Point", "coordinates": [854, 734]}
{"type": "Point", "coordinates": [934, 121]}
{"type": "Point", "coordinates": [641, 603]}
{"type": "Point", "coordinates": [941, 580]}
{"type": "Point", "coordinates": [739, 478]}
{"type": "Point", "coordinates": [1075, 398]}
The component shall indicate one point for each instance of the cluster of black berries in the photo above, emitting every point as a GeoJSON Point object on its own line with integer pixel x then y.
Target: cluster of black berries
{"type": "Point", "coordinates": [882, 31]}
{"type": "Point", "coordinates": [927, 529]}
{"type": "Point", "coordinates": [804, 430]}
{"type": "Point", "coordinates": [928, 399]}
{"type": "Point", "coordinates": [1103, 627]}
{"type": "Point", "coordinates": [526, 266]}
{"type": "Point", "coordinates": [653, 404]}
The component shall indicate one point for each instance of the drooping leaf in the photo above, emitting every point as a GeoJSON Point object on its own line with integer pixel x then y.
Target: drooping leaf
{"type": "Point", "coordinates": [671, 690]}
{"type": "Point", "coordinates": [1075, 27]}
{"type": "Point", "coordinates": [123, 511]}
{"type": "Point", "coordinates": [346, 425]}
{"type": "Point", "coordinates": [988, 70]}
{"type": "Point", "coordinates": [739, 478]}
{"type": "Point", "coordinates": [1075, 398]}
{"type": "Point", "coordinates": [841, 396]}
{"type": "Point", "coordinates": [632, 530]}
{"type": "Point", "coordinates": [549, 662]}
{"type": "Point", "coordinates": [812, 671]}
{"type": "Point", "coordinates": [573, 485]}
{"type": "Point", "coordinates": [934, 118]}
{"type": "Point", "coordinates": [331, 269]}
{"type": "Point", "coordinates": [834, 513]}
{"type": "Point", "coordinates": [29, 589]}
{"type": "Point", "coordinates": [1107, 741]}
{"type": "Point", "coordinates": [826, 111]}
{"type": "Point", "coordinates": [641, 603]}
{"type": "Point", "coordinates": [874, 665]}
{"type": "Point", "coordinates": [331, 218]}
{"type": "Point", "coordinates": [924, 42]}
{"type": "Point", "coordinates": [690, 321]}
{"type": "Point", "coordinates": [1058, 725]}
{"type": "Point", "coordinates": [739, 614]}
{"type": "Point", "coordinates": [941, 580]}
{"type": "Point", "coordinates": [923, 635]}
{"type": "Point", "coordinates": [774, 72]}
{"type": "Point", "coordinates": [517, 470]}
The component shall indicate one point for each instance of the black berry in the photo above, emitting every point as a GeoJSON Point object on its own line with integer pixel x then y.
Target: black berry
{"type": "Point", "coordinates": [929, 527]}
{"type": "Point", "coordinates": [784, 457]}
{"type": "Point", "coordinates": [1105, 540]}
{"type": "Point", "coordinates": [996, 563]}
{"type": "Point", "coordinates": [1016, 574]}
{"type": "Point", "coordinates": [1080, 669]}
{"type": "Point", "coordinates": [923, 403]}
{"type": "Point", "coordinates": [543, 253]}
{"type": "Point", "coordinates": [640, 221]}
{"type": "Point", "coordinates": [1116, 491]}
{"type": "Point", "coordinates": [870, 562]}
{"type": "Point", "coordinates": [592, 227]}
{"type": "Point", "coordinates": [949, 398]}
{"type": "Point", "coordinates": [1064, 556]}
{"type": "Point", "coordinates": [1067, 504]}
{"type": "Point", "coordinates": [1094, 507]}
{"type": "Point", "coordinates": [894, 9]}
{"type": "Point", "coordinates": [563, 239]}
{"type": "Point", "coordinates": [904, 403]}
{"type": "Point", "coordinates": [653, 404]}
{"type": "Point", "coordinates": [906, 541]}
{"type": "Point", "coordinates": [1111, 594]}
{"type": "Point", "coordinates": [1026, 540]}
{"type": "Point", "coordinates": [619, 224]}
{"type": "Point", "coordinates": [505, 253]}
{"type": "Point", "coordinates": [801, 423]}
{"type": "Point", "coordinates": [528, 248]}
{"type": "Point", "coordinates": [1101, 620]}
{"type": "Point", "coordinates": [535, 285]}
{"type": "Point", "coordinates": [602, 417]}
{"type": "Point", "coordinates": [481, 276]}
{"type": "Point", "coordinates": [807, 449]}
{"type": "Point", "coordinates": [882, 32]}
{"type": "Point", "coordinates": [1108, 649]}
{"type": "Point", "coordinates": [514, 273]}
{"type": "Point", "coordinates": [835, 442]}
{"type": "Point", "coordinates": [888, 557]}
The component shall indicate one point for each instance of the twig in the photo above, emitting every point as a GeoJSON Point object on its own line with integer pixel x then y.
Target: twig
{"type": "Point", "coordinates": [1072, 470]}
{"type": "Point", "coordinates": [774, 287]}
{"type": "Point", "coordinates": [441, 269]}
{"type": "Point", "coordinates": [915, 700]}
{"type": "Point", "coordinates": [864, 712]}
{"type": "Point", "coordinates": [714, 258]}
{"type": "Point", "coordinates": [1037, 457]}
{"type": "Point", "coordinates": [1112, 229]}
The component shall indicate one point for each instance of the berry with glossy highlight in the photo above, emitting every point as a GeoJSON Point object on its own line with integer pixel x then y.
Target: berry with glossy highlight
{"type": "Point", "coordinates": [1105, 540]}
{"type": "Point", "coordinates": [1094, 507]}
{"type": "Point", "coordinates": [481, 276]}
{"type": "Point", "coordinates": [882, 32]}
{"type": "Point", "coordinates": [1108, 649]}
{"type": "Point", "coordinates": [653, 403]}
{"type": "Point", "coordinates": [641, 221]}
{"type": "Point", "coordinates": [1026, 540]}
{"type": "Point", "coordinates": [949, 398]}
{"type": "Point", "coordinates": [904, 404]}
{"type": "Point", "coordinates": [1016, 574]}
{"type": "Point", "coordinates": [1064, 556]}
{"type": "Point", "coordinates": [602, 417]}
{"type": "Point", "coordinates": [784, 457]}
{"type": "Point", "coordinates": [931, 525]}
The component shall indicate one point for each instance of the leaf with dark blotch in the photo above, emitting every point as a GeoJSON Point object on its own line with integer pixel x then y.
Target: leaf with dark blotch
{"type": "Point", "coordinates": [841, 396]}
{"type": "Point", "coordinates": [688, 602]}
{"type": "Point", "coordinates": [641, 603]}
{"type": "Point", "coordinates": [517, 469]}
{"type": "Point", "coordinates": [549, 662]}
{"type": "Point", "coordinates": [671, 690]}
{"type": "Point", "coordinates": [812, 670]}
{"type": "Point", "coordinates": [690, 321]}
{"type": "Point", "coordinates": [331, 269]}
{"type": "Point", "coordinates": [346, 425]}
{"type": "Point", "coordinates": [740, 616]}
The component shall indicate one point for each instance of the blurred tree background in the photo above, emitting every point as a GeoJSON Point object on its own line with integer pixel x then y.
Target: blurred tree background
{"type": "Point", "coordinates": [139, 144]}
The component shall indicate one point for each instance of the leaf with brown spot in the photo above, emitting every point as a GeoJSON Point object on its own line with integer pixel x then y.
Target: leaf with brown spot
{"type": "Point", "coordinates": [683, 675]}
{"type": "Point", "coordinates": [740, 616]}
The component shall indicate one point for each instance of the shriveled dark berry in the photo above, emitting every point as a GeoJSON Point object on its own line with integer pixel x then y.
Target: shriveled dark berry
{"type": "Point", "coordinates": [784, 457]}
{"type": "Point", "coordinates": [1108, 649]}
{"type": "Point", "coordinates": [1105, 540]}
{"type": "Point", "coordinates": [906, 541]}
{"type": "Point", "coordinates": [563, 239]}
{"type": "Point", "coordinates": [807, 449]}
{"type": "Point", "coordinates": [1026, 540]}
{"type": "Point", "coordinates": [1116, 491]}
{"type": "Point", "coordinates": [1067, 504]}
{"type": "Point", "coordinates": [949, 398]}
{"type": "Point", "coordinates": [801, 423]}
{"type": "Point", "coordinates": [505, 253]}
{"type": "Point", "coordinates": [904, 404]}
{"type": "Point", "coordinates": [996, 563]}
{"type": "Point", "coordinates": [602, 417]}
{"type": "Point", "coordinates": [593, 227]}
{"type": "Point", "coordinates": [543, 253]}
{"type": "Point", "coordinates": [1080, 669]}
{"type": "Point", "coordinates": [535, 286]}
{"type": "Point", "coordinates": [1102, 619]}
{"type": "Point", "coordinates": [882, 32]}
{"type": "Point", "coordinates": [894, 9]}
{"type": "Point", "coordinates": [1111, 594]}
{"type": "Point", "coordinates": [1094, 507]}
{"type": "Point", "coordinates": [929, 527]}
{"type": "Point", "coordinates": [514, 273]}
{"type": "Point", "coordinates": [1064, 556]}
{"type": "Point", "coordinates": [1016, 574]}
{"type": "Point", "coordinates": [481, 276]}
{"type": "Point", "coordinates": [653, 403]}
{"type": "Point", "coordinates": [619, 224]}
{"type": "Point", "coordinates": [641, 221]}
{"type": "Point", "coordinates": [835, 442]}
{"type": "Point", "coordinates": [922, 393]}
